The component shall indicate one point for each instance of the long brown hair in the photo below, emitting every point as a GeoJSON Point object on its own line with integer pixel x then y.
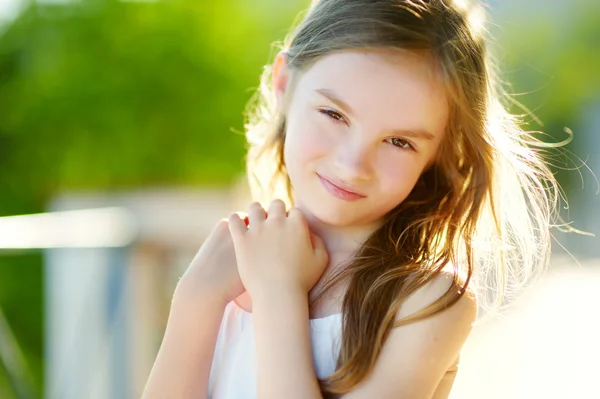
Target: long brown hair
{"type": "Point", "coordinates": [485, 205]}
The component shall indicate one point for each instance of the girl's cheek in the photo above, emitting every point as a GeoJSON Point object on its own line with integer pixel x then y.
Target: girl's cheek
{"type": "Point", "coordinates": [398, 173]}
{"type": "Point", "coordinates": [310, 135]}
{"type": "Point", "coordinates": [318, 140]}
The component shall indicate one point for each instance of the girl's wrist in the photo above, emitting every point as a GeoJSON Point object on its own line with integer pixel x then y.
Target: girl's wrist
{"type": "Point", "coordinates": [195, 296]}
{"type": "Point", "coordinates": [274, 288]}
{"type": "Point", "coordinates": [278, 297]}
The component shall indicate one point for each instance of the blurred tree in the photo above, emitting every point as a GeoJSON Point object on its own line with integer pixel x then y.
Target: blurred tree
{"type": "Point", "coordinates": [110, 94]}
{"type": "Point", "coordinates": [552, 64]}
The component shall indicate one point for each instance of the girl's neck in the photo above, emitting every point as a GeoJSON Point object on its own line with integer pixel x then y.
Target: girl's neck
{"type": "Point", "coordinates": [341, 241]}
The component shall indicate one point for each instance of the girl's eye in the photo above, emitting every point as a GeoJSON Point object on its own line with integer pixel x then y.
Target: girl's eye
{"type": "Point", "coordinates": [400, 143]}
{"type": "Point", "coordinates": [333, 115]}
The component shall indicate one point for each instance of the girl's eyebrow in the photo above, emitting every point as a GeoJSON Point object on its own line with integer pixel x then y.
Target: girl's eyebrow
{"type": "Point", "coordinates": [331, 96]}
{"type": "Point", "coordinates": [415, 133]}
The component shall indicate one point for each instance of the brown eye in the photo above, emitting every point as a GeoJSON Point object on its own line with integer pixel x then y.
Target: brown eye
{"type": "Point", "coordinates": [400, 143]}
{"type": "Point", "coordinates": [332, 114]}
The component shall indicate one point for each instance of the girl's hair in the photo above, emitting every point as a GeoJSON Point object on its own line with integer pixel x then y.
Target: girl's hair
{"type": "Point", "coordinates": [484, 207]}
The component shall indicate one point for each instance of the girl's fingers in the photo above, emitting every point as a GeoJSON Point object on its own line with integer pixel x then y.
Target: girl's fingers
{"type": "Point", "coordinates": [295, 213]}
{"type": "Point", "coordinates": [256, 213]}
{"type": "Point", "coordinates": [277, 209]}
{"type": "Point", "coordinates": [244, 217]}
{"type": "Point", "coordinates": [237, 227]}
{"type": "Point", "coordinates": [297, 216]}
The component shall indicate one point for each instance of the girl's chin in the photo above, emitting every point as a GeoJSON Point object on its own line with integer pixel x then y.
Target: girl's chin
{"type": "Point", "coordinates": [337, 218]}
{"type": "Point", "coordinates": [340, 221]}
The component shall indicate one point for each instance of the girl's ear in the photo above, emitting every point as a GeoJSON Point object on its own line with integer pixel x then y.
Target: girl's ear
{"type": "Point", "coordinates": [280, 77]}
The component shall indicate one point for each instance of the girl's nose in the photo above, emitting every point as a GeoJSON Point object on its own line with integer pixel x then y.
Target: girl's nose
{"type": "Point", "coordinates": [352, 159]}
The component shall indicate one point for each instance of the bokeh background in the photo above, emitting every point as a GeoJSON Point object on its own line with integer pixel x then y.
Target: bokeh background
{"type": "Point", "coordinates": [121, 145]}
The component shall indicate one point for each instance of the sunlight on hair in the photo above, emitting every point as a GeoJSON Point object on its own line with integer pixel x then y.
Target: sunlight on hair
{"type": "Point", "coordinates": [461, 5]}
{"type": "Point", "coordinates": [475, 15]}
{"type": "Point", "coordinates": [477, 19]}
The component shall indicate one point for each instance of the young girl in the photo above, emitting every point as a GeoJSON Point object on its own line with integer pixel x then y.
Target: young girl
{"type": "Point", "coordinates": [408, 196]}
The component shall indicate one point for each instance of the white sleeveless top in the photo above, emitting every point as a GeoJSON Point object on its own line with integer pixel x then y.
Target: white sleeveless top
{"type": "Point", "coordinates": [233, 371]}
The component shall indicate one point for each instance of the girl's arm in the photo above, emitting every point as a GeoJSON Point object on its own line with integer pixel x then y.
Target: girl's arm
{"type": "Point", "coordinates": [182, 367]}
{"type": "Point", "coordinates": [283, 348]}
{"type": "Point", "coordinates": [279, 261]}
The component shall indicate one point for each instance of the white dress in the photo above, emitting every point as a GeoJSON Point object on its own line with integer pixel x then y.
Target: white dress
{"type": "Point", "coordinates": [233, 371]}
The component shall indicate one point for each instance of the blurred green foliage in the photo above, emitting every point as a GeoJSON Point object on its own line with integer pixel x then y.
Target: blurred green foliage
{"type": "Point", "coordinates": [552, 63]}
{"type": "Point", "coordinates": [21, 299]}
{"type": "Point", "coordinates": [107, 94]}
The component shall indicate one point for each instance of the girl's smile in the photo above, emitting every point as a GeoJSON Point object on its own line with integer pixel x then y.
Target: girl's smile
{"type": "Point", "coordinates": [340, 190]}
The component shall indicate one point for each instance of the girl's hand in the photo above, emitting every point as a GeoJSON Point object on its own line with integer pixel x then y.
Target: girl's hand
{"type": "Point", "coordinates": [277, 250]}
{"type": "Point", "coordinates": [213, 271]}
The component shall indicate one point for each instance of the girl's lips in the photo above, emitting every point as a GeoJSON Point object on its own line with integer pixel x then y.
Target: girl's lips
{"type": "Point", "coordinates": [339, 192]}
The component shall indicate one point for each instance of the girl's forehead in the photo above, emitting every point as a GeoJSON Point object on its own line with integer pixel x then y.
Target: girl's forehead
{"type": "Point", "coordinates": [385, 64]}
{"type": "Point", "coordinates": [371, 74]}
{"type": "Point", "coordinates": [397, 88]}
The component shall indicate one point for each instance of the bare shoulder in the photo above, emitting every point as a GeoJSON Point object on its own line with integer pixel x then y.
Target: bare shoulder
{"type": "Point", "coordinates": [464, 310]}
{"type": "Point", "coordinates": [419, 359]}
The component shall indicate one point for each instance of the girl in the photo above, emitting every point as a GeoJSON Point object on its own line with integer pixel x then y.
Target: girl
{"type": "Point", "coordinates": [409, 196]}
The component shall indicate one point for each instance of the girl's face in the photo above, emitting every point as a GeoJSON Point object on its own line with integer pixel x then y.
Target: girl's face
{"type": "Point", "coordinates": [361, 127]}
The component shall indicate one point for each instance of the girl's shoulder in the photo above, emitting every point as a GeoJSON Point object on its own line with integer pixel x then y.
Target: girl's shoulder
{"type": "Point", "coordinates": [426, 351]}
{"type": "Point", "coordinates": [444, 283]}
